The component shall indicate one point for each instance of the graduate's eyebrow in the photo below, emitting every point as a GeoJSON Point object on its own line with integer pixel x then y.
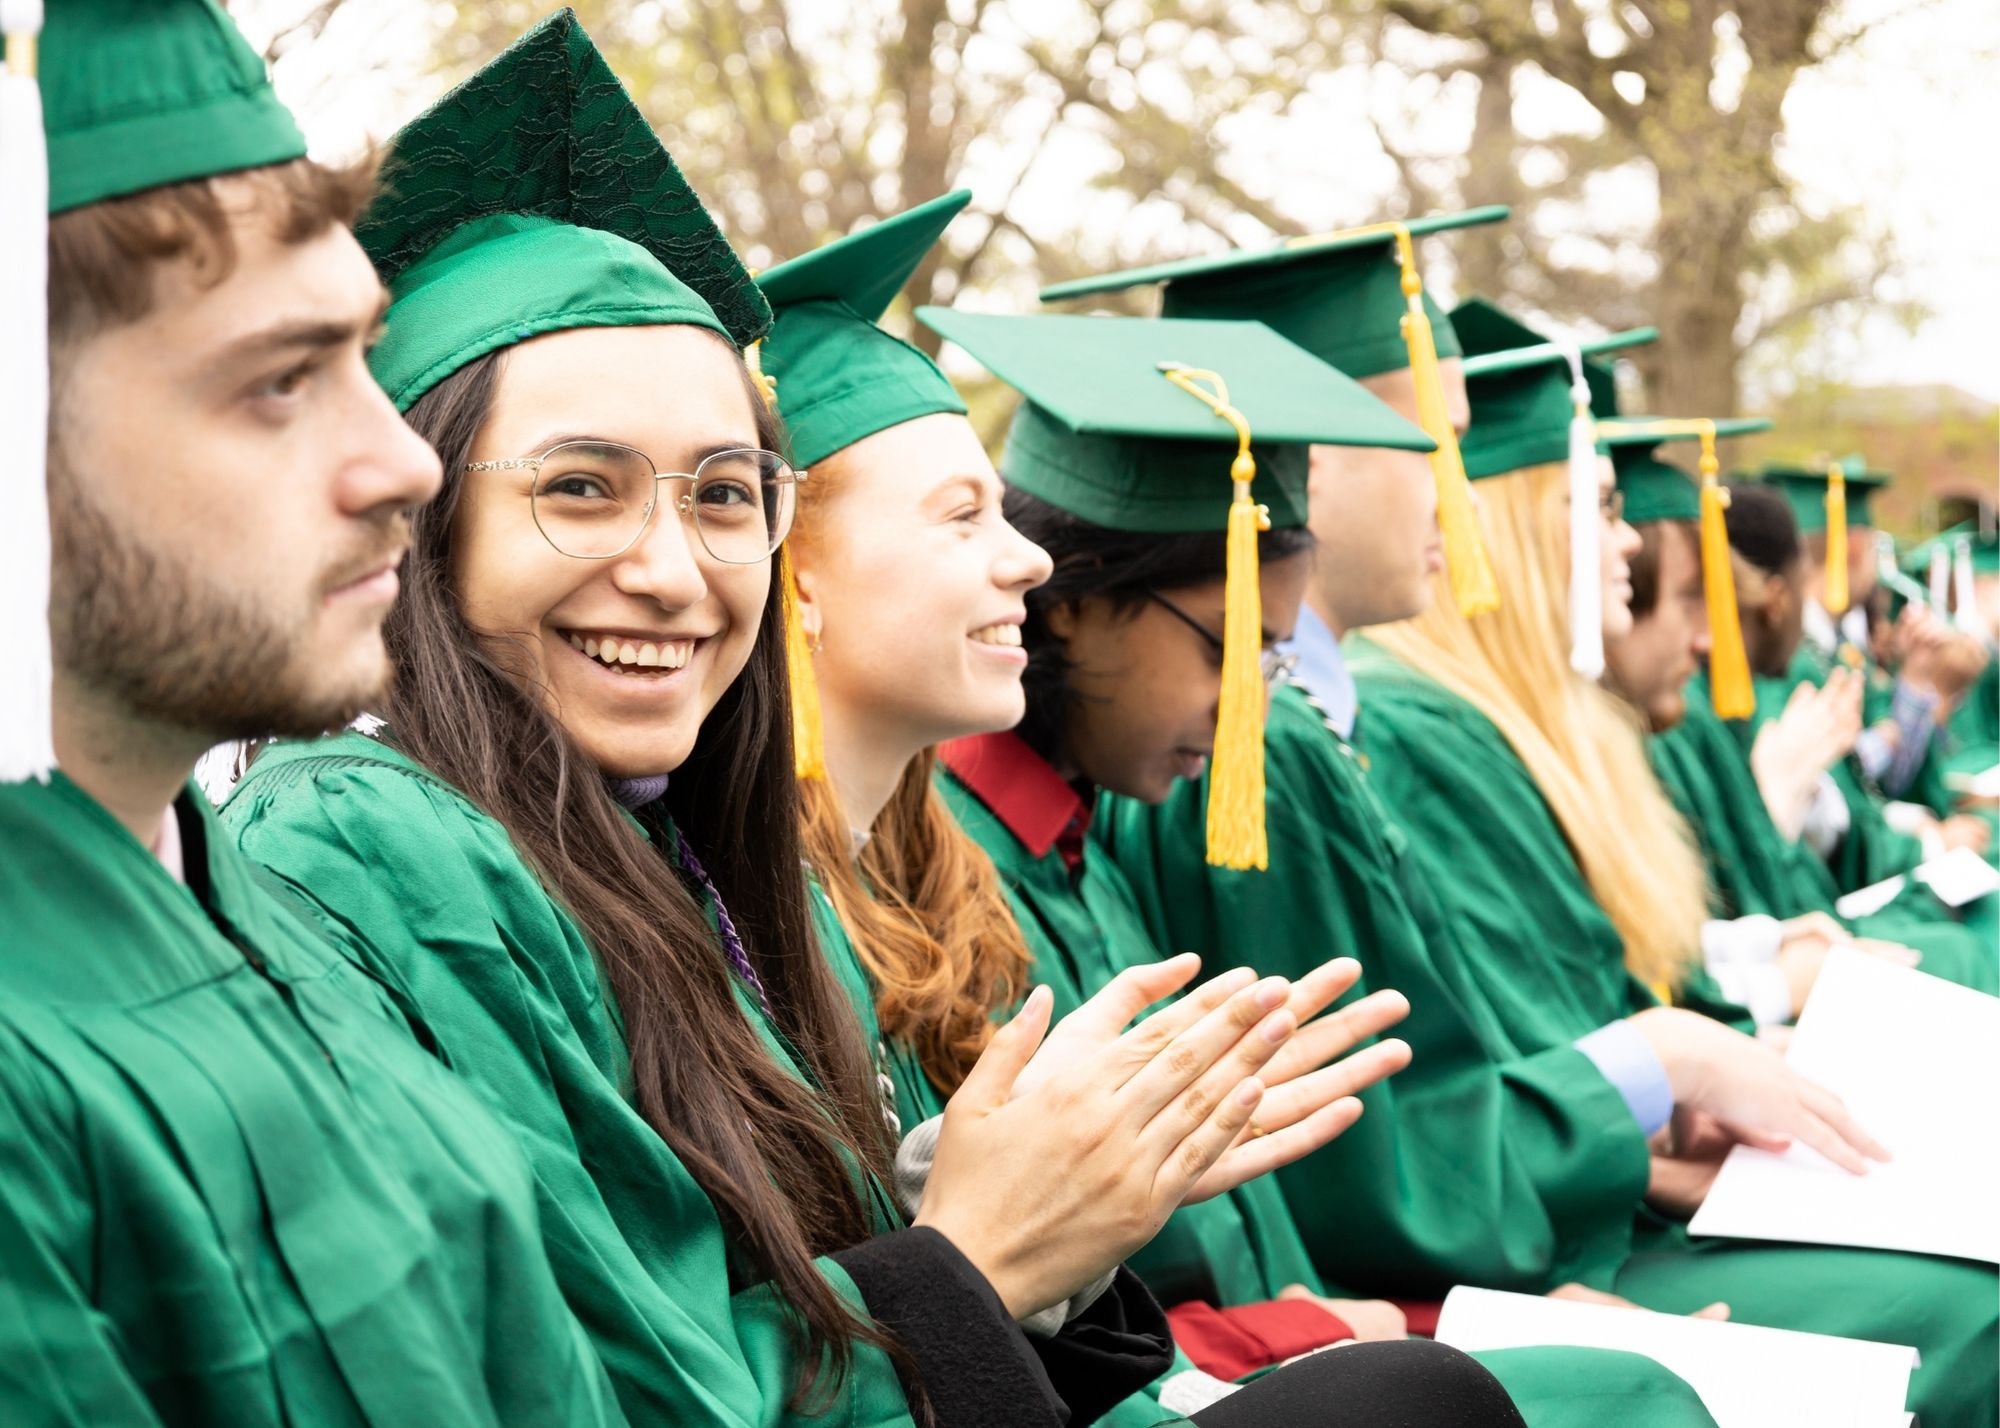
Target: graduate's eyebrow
{"type": "Point", "coordinates": [950, 487]}
{"type": "Point", "coordinates": [308, 333]}
{"type": "Point", "coordinates": [545, 444]}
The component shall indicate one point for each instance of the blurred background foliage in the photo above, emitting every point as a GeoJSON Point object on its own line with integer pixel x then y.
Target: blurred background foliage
{"type": "Point", "coordinates": [1641, 144]}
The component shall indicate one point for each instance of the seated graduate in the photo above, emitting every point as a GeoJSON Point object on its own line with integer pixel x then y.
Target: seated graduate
{"type": "Point", "coordinates": [1772, 903]}
{"type": "Point", "coordinates": [1799, 745]}
{"type": "Point", "coordinates": [1899, 755]}
{"type": "Point", "coordinates": [911, 599]}
{"type": "Point", "coordinates": [1526, 788]}
{"type": "Point", "coordinates": [236, 1186]}
{"type": "Point", "coordinates": [1957, 573]}
{"type": "Point", "coordinates": [574, 834]}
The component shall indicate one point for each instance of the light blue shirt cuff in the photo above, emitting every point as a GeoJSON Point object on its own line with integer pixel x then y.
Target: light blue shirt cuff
{"type": "Point", "coordinates": [1620, 1052]}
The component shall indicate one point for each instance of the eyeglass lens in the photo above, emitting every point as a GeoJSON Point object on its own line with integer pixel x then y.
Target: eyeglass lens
{"type": "Point", "coordinates": [593, 500]}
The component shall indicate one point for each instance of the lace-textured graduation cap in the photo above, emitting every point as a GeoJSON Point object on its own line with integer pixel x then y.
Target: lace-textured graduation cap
{"type": "Point", "coordinates": [536, 198]}
{"type": "Point", "coordinates": [1656, 490]}
{"type": "Point", "coordinates": [139, 93]}
{"type": "Point", "coordinates": [1176, 425]}
{"type": "Point", "coordinates": [837, 375]}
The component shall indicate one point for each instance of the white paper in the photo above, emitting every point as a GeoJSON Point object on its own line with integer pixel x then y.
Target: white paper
{"type": "Point", "coordinates": [1917, 1060]}
{"type": "Point", "coordinates": [1984, 784]}
{"type": "Point", "coordinates": [1746, 1375]}
{"type": "Point", "coordinates": [1865, 902]}
{"type": "Point", "coordinates": [1958, 877]}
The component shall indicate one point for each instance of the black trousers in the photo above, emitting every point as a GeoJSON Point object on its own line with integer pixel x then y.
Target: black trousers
{"type": "Point", "coordinates": [1410, 1383]}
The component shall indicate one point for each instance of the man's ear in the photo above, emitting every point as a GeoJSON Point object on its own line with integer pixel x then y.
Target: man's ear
{"type": "Point", "coordinates": [1061, 620]}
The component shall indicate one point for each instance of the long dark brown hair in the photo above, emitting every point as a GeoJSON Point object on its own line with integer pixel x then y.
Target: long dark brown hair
{"type": "Point", "coordinates": [777, 1159]}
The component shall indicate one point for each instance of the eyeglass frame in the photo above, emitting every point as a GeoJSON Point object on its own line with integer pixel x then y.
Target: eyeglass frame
{"type": "Point", "coordinates": [1611, 504]}
{"type": "Point", "coordinates": [683, 504]}
{"type": "Point", "coordinates": [1276, 667]}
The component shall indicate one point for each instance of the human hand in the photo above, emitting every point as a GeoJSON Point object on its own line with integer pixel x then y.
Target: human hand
{"type": "Point", "coordinates": [1584, 1294]}
{"type": "Point", "coordinates": [1685, 1165]}
{"type": "Point", "coordinates": [1371, 1320]}
{"type": "Point", "coordinates": [1048, 1191]}
{"type": "Point", "coordinates": [1965, 830]}
{"type": "Point", "coordinates": [1749, 1090]}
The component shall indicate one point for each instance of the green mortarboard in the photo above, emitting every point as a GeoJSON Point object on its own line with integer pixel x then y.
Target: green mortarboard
{"type": "Point", "coordinates": [1518, 384]}
{"type": "Point", "coordinates": [1657, 490]}
{"type": "Point", "coordinates": [1805, 488]}
{"type": "Point", "coordinates": [536, 198]}
{"type": "Point", "coordinates": [1339, 296]}
{"type": "Point", "coordinates": [838, 376]}
{"type": "Point", "coordinates": [139, 93]}
{"type": "Point", "coordinates": [1105, 436]}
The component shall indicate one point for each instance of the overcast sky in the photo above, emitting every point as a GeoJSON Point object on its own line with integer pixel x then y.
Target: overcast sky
{"type": "Point", "coordinates": [1908, 121]}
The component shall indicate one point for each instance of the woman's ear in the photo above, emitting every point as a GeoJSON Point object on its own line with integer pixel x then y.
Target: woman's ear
{"type": "Point", "coordinates": [805, 581]}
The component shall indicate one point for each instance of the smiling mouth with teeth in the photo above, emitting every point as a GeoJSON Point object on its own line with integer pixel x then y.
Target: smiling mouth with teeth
{"type": "Point", "coordinates": [631, 656]}
{"type": "Point", "coordinates": [1006, 634]}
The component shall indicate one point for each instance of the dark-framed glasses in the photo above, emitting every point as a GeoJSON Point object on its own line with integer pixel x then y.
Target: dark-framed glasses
{"type": "Point", "coordinates": [1277, 667]}
{"type": "Point", "coordinates": [594, 499]}
{"type": "Point", "coordinates": [1612, 504]}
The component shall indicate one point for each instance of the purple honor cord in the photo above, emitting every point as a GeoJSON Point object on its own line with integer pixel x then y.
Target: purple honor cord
{"type": "Point", "coordinates": [636, 793]}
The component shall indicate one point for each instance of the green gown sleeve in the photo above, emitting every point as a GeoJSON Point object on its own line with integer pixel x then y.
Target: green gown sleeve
{"type": "Point", "coordinates": [1477, 1164]}
{"type": "Point", "coordinates": [516, 1001]}
{"type": "Point", "coordinates": [60, 1360]}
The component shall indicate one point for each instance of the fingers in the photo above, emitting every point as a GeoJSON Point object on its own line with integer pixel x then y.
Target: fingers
{"type": "Point", "coordinates": [1289, 1101]}
{"type": "Point", "coordinates": [1832, 1112]}
{"type": "Point", "coordinates": [1135, 989]}
{"type": "Point", "coordinates": [1335, 1034]}
{"type": "Point", "coordinates": [1322, 987]}
{"type": "Point", "coordinates": [1717, 1310]}
{"type": "Point", "coordinates": [1191, 1158]}
{"type": "Point", "coordinates": [1233, 1040]}
{"type": "Point", "coordinates": [1260, 1155]}
{"type": "Point", "coordinates": [1889, 951]}
{"type": "Point", "coordinates": [1145, 1041]}
{"type": "Point", "coordinates": [991, 1080]}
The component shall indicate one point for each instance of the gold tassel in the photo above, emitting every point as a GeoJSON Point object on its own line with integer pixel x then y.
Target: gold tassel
{"type": "Point", "coordinates": [808, 732]}
{"type": "Point", "coordinates": [1472, 583]}
{"type": "Point", "coordinates": [766, 383]}
{"type": "Point", "coordinates": [1728, 666]}
{"type": "Point", "coordinates": [1236, 769]}
{"type": "Point", "coordinates": [1836, 539]}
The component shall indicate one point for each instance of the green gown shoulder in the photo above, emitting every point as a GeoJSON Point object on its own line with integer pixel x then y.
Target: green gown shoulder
{"type": "Point", "coordinates": [519, 1006]}
{"type": "Point", "coordinates": [237, 1189]}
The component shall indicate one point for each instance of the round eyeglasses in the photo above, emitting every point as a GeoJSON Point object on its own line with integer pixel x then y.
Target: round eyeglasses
{"type": "Point", "coordinates": [594, 499]}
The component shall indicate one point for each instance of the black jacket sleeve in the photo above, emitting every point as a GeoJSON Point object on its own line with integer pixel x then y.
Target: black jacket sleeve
{"type": "Point", "coordinates": [978, 1369]}
{"type": "Point", "coordinates": [975, 1365]}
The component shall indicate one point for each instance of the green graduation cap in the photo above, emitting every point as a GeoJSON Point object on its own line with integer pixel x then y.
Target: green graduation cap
{"type": "Point", "coordinates": [1656, 490]}
{"type": "Point", "coordinates": [1340, 296]}
{"type": "Point", "coordinates": [838, 376]}
{"type": "Point", "coordinates": [1174, 425]}
{"type": "Point", "coordinates": [1806, 487]}
{"type": "Point", "coordinates": [1104, 435]}
{"type": "Point", "coordinates": [139, 93]}
{"type": "Point", "coordinates": [535, 198]}
{"type": "Point", "coordinates": [1518, 384]}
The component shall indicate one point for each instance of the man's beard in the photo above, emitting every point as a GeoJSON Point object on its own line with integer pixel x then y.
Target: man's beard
{"type": "Point", "coordinates": [154, 631]}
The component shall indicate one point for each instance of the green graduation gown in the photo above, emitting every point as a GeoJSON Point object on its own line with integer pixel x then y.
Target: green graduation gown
{"type": "Point", "coordinates": [1082, 928]}
{"type": "Point", "coordinates": [234, 1187]}
{"type": "Point", "coordinates": [520, 1008]}
{"type": "Point", "coordinates": [1753, 868]}
{"type": "Point", "coordinates": [1472, 806]}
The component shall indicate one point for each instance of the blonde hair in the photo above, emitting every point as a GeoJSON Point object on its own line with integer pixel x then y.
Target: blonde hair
{"type": "Point", "coordinates": [921, 901]}
{"type": "Point", "coordinates": [1581, 744]}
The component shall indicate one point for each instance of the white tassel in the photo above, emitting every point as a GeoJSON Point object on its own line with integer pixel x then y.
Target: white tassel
{"type": "Point", "coordinates": [1586, 582]}
{"type": "Point", "coordinates": [1963, 613]}
{"type": "Point", "coordinates": [27, 748]}
{"type": "Point", "coordinates": [1940, 578]}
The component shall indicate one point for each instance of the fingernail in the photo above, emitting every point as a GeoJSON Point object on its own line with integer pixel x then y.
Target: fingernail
{"type": "Point", "coordinates": [1273, 992]}
{"type": "Point", "coordinates": [1279, 1027]}
{"type": "Point", "coordinates": [1250, 1093]}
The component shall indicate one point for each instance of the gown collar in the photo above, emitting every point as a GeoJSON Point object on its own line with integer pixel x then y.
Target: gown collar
{"type": "Point", "coordinates": [1020, 788]}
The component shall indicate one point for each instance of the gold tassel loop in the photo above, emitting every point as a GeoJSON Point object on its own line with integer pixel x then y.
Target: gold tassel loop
{"type": "Point", "coordinates": [766, 383]}
{"type": "Point", "coordinates": [808, 733]}
{"type": "Point", "coordinates": [1236, 768]}
{"type": "Point", "coordinates": [1728, 665]}
{"type": "Point", "coordinates": [1836, 538]}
